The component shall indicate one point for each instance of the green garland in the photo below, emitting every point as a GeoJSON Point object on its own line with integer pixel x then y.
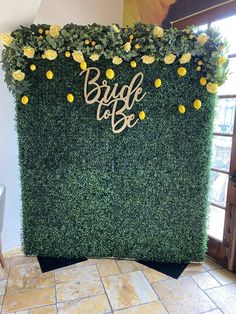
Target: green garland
{"type": "Point", "coordinates": [142, 43]}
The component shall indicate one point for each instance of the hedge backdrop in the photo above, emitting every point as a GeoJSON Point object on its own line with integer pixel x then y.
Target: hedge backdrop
{"type": "Point", "coordinates": [87, 192]}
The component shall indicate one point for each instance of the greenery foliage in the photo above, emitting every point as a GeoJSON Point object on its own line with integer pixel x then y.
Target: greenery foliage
{"type": "Point", "coordinates": [86, 191]}
{"type": "Point", "coordinates": [109, 41]}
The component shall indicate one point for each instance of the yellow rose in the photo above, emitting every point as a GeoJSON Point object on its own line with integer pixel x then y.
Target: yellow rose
{"type": "Point", "coordinates": [127, 47]}
{"type": "Point", "coordinates": [49, 75]}
{"type": "Point", "coordinates": [18, 75]}
{"type": "Point", "coordinates": [141, 115]}
{"type": "Point", "coordinates": [32, 67]}
{"type": "Point", "coordinates": [157, 83]}
{"type": "Point", "coordinates": [221, 60]}
{"type": "Point", "coordinates": [28, 51]}
{"type": "Point", "coordinates": [212, 88]}
{"type": "Point", "coordinates": [197, 104]}
{"type": "Point", "coordinates": [158, 32]}
{"type": "Point", "coordinates": [110, 74]}
{"type": "Point", "coordinates": [24, 100]}
{"type": "Point", "coordinates": [117, 60]}
{"type": "Point", "coordinates": [67, 54]}
{"type": "Point", "coordinates": [203, 81]}
{"type": "Point", "coordinates": [148, 59]}
{"type": "Point", "coordinates": [169, 59]}
{"type": "Point", "coordinates": [133, 64]}
{"type": "Point", "coordinates": [116, 28]}
{"type": "Point", "coordinates": [181, 109]}
{"type": "Point", "coordinates": [202, 39]}
{"type": "Point", "coordinates": [54, 30]}
{"type": "Point", "coordinates": [50, 54]}
{"type": "Point", "coordinates": [186, 57]}
{"type": "Point", "coordinates": [94, 56]}
{"type": "Point", "coordinates": [70, 97]}
{"type": "Point", "coordinates": [187, 30]}
{"type": "Point", "coordinates": [78, 56]}
{"type": "Point", "coordinates": [181, 71]}
{"type": "Point", "coordinates": [83, 65]}
{"type": "Point", "coordinates": [6, 39]}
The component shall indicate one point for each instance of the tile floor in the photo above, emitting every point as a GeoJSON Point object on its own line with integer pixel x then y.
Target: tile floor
{"type": "Point", "coordinates": [114, 286]}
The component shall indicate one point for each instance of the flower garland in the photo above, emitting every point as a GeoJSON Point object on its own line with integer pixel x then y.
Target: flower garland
{"type": "Point", "coordinates": [142, 43]}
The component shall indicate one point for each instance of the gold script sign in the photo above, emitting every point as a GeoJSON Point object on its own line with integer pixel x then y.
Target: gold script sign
{"type": "Point", "coordinates": [113, 102]}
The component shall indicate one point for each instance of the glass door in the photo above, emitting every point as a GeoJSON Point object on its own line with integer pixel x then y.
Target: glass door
{"type": "Point", "coordinates": [222, 197]}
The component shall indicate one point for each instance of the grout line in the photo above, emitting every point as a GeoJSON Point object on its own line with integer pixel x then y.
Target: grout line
{"type": "Point", "coordinates": [137, 305]}
{"type": "Point", "coordinates": [206, 295]}
{"type": "Point", "coordinates": [206, 312]}
{"type": "Point", "coordinates": [118, 266]}
{"type": "Point", "coordinates": [104, 289]}
{"type": "Point", "coordinates": [155, 291]}
{"type": "Point", "coordinates": [216, 279]}
{"type": "Point", "coordinates": [150, 284]}
{"type": "Point", "coordinates": [8, 274]}
{"type": "Point", "coordinates": [55, 289]}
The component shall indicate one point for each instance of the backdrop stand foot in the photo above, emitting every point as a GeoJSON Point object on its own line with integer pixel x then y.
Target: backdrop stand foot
{"type": "Point", "coordinates": [51, 263]}
{"type": "Point", "coordinates": [173, 270]}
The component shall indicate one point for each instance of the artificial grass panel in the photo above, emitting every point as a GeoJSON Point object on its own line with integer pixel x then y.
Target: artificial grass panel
{"type": "Point", "coordinates": [87, 192]}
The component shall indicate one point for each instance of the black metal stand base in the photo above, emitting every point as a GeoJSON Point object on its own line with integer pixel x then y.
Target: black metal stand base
{"type": "Point", "coordinates": [173, 270]}
{"type": "Point", "coordinates": [51, 263]}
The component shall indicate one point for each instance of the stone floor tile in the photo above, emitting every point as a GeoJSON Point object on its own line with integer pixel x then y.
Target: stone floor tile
{"type": "Point", "coordinates": [193, 268]}
{"type": "Point", "coordinates": [205, 280]}
{"type": "Point", "coordinates": [3, 284]}
{"type": "Point", "coordinates": [126, 266]}
{"type": "Point", "coordinates": [50, 309]}
{"type": "Point", "coordinates": [183, 296]}
{"type": "Point", "coordinates": [128, 289]}
{"type": "Point", "coordinates": [25, 277]}
{"type": "Point", "coordinates": [12, 252]}
{"type": "Point", "coordinates": [88, 262]}
{"type": "Point", "coordinates": [93, 305]}
{"type": "Point", "coordinates": [209, 264]}
{"type": "Point", "coordinates": [154, 275]}
{"type": "Point", "coordinates": [224, 276]}
{"type": "Point", "coordinates": [77, 283]}
{"type": "Point", "coordinates": [224, 297]}
{"type": "Point", "coordinates": [107, 267]}
{"type": "Point", "coordinates": [26, 300]}
{"type": "Point", "coordinates": [22, 312]}
{"type": "Point", "coordinates": [149, 308]}
{"type": "Point", "coordinates": [23, 259]}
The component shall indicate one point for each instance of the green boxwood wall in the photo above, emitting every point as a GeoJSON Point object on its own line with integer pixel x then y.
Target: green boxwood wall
{"type": "Point", "coordinates": [86, 191]}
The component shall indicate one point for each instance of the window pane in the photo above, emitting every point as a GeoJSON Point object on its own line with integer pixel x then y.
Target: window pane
{"type": "Point", "coordinates": [224, 120]}
{"type": "Point", "coordinates": [221, 151]}
{"type": "Point", "coordinates": [229, 88]}
{"type": "Point", "coordinates": [216, 222]}
{"type": "Point", "coordinates": [227, 28]}
{"type": "Point", "coordinates": [219, 186]}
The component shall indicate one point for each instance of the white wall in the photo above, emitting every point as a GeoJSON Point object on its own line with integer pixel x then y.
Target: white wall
{"type": "Point", "coordinates": [13, 13]}
{"type": "Point", "coordinates": [9, 170]}
{"type": "Point", "coordinates": [24, 12]}
{"type": "Point", "coordinates": [80, 12]}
